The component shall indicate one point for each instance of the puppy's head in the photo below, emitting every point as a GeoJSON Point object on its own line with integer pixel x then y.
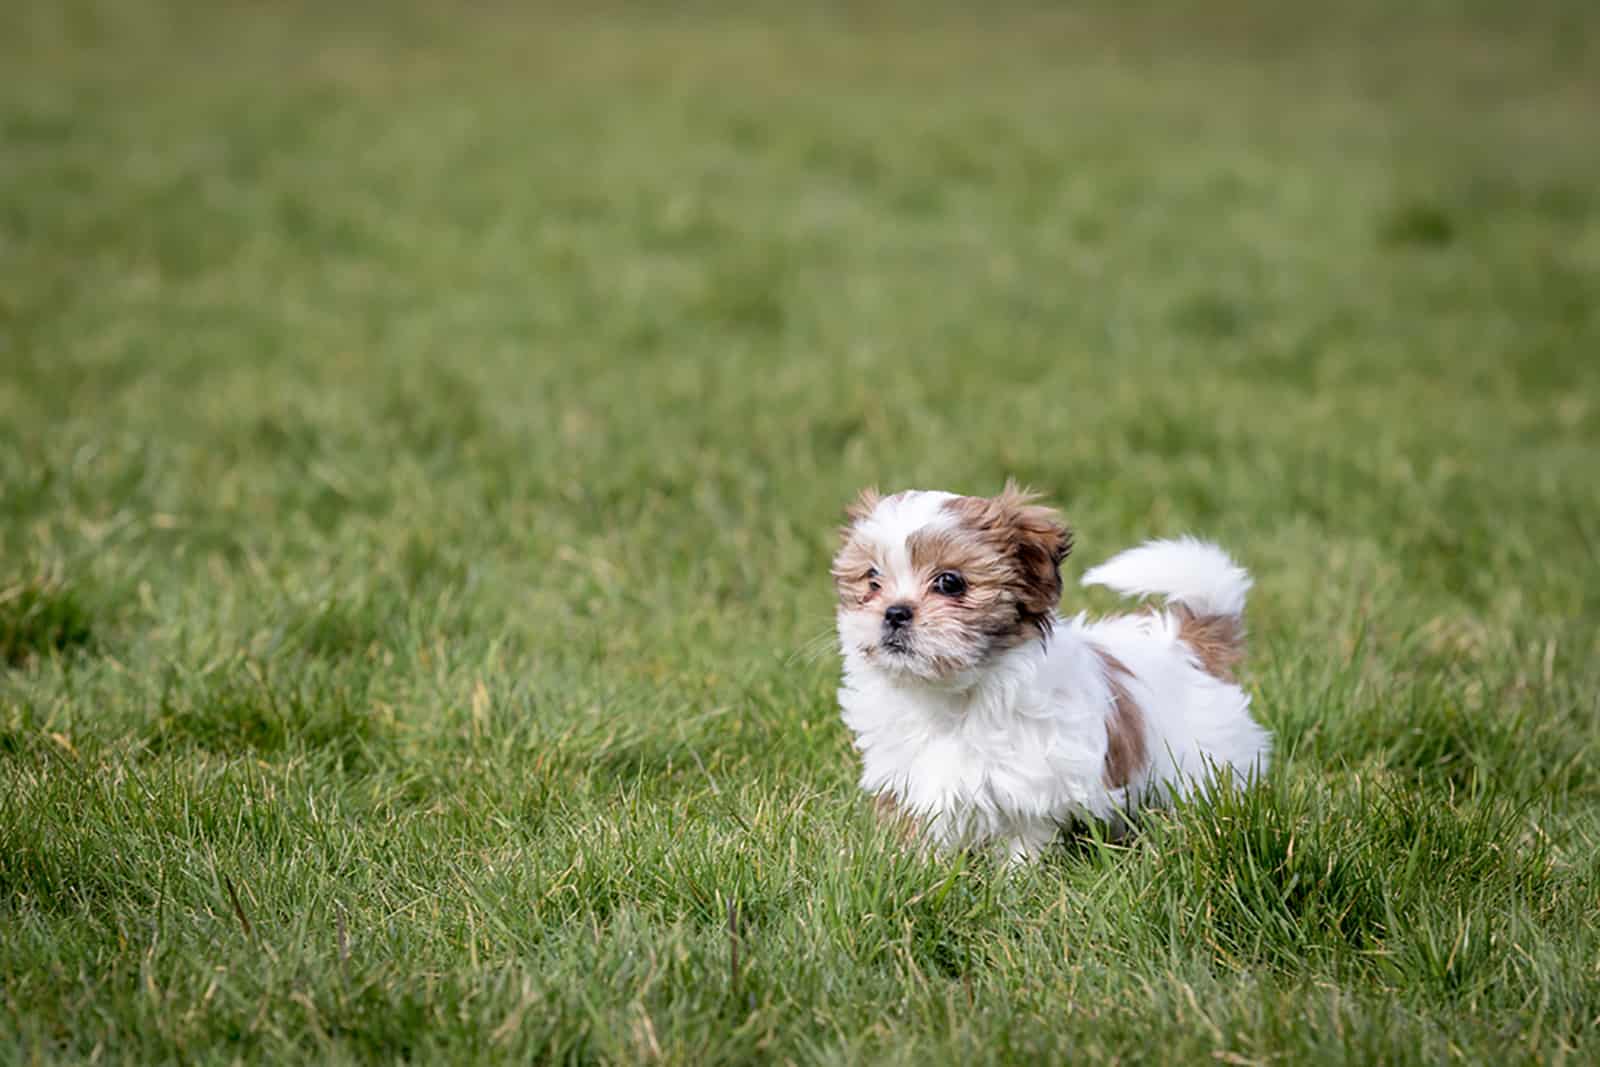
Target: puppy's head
{"type": "Point", "coordinates": [932, 585]}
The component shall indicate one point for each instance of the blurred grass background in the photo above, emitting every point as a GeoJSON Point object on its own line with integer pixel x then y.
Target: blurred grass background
{"type": "Point", "coordinates": [422, 429]}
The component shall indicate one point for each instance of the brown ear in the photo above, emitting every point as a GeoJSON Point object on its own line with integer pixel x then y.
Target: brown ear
{"type": "Point", "coordinates": [865, 502]}
{"type": "Point", "coordinates": [1039, 540]}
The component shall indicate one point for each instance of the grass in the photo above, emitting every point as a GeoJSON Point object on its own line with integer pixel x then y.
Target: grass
{"type": "Point", "coordinates": [421, 433]}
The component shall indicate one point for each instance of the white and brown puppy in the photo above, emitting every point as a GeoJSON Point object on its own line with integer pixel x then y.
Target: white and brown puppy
{"type": "Point", "coordinates": [984, 717]}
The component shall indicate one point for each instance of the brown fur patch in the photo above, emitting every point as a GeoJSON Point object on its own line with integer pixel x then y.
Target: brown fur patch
{"type": "Point", "coordinates": [1007, 550]}
{"type": "Point", "coordinates": [1127, 750]}
{"type": "Point", "coordinates": [987, 608]}
{"type": "Point", "coordinates": [851, 573]}
{"type": "Point", "coordinates": [891, 816]}
{"type": "Point", "coordinates": [1217, 640]}
{"type": "Point", "coordinates": [854, 560]}
{"type": "Point", "coordinates": [1025, 540]}
{"type": "Point", "coordinates": [863, 505]}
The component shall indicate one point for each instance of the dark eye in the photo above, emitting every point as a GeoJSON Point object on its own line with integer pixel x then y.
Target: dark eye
{"type": "Point", "coordinates": [872, 577]}
{"type": "Point", "coordinates": [949, 584]}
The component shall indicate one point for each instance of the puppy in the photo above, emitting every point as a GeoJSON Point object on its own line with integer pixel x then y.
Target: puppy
{"type": "Point", "coordinates": [985, 718]}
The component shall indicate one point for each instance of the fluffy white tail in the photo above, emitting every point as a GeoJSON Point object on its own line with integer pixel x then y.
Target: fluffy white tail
{"type": "Point", "coordinates": [1196, 574]}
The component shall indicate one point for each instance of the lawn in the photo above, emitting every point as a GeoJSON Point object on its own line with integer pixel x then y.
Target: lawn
{"type": "Point", "coordinates": [423, 430]}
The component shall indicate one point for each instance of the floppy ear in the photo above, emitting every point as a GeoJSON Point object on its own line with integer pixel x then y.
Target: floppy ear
{"type": "Point", "coordinates": [852, 559]}
{"type": "Point", "coordinates": [863, 505]}
{"type": "Point", "coordinates": [1039, 540]}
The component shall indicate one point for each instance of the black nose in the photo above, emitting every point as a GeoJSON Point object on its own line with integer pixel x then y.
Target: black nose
{"type": "Point", "coordinates": [897, 615]}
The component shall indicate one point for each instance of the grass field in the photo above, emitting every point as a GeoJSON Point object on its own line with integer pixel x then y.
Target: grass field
{"type": "Point", "coordinates": [422, 431]}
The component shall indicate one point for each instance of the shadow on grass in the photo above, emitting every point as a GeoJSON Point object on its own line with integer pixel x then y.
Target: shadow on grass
{"type": "Point", "coordinates": [240, 708]}
{"type": "Point", "coordinates": [41, 618]}
{"type": "Point", "coordinates": [1282, 873]}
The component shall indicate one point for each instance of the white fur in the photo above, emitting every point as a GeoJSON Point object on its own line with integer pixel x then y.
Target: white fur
{"type": "Point", "coordinates": [1010, 751]}
{"type": "Point", "coordinates": [1193, 573]}
{"type": "Point", "coordinates": [888, 529]}
{"type": "Point", "coordinates": [889, 526]}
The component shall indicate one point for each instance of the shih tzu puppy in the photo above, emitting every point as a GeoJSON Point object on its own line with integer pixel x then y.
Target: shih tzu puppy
{"type": "Point", "coordinates": [983, 717]}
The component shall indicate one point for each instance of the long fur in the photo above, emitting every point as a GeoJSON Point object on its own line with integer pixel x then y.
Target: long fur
{"type": "Point", "coordinates": [987, 728]}
{"type": "Point", "coordinates": [1194, 573]}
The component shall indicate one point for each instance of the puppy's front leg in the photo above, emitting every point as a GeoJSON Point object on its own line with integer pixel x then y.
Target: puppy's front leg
{"type": "Point", "coordinates": [1026, 845]}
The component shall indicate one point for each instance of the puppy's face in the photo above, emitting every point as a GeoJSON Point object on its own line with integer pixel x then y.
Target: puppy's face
{"type": "Point", "coordinates": [932, 585]}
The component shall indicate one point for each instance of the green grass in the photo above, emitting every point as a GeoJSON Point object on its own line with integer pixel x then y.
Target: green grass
{"type": "Point", "coordinates": [422, 431]}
